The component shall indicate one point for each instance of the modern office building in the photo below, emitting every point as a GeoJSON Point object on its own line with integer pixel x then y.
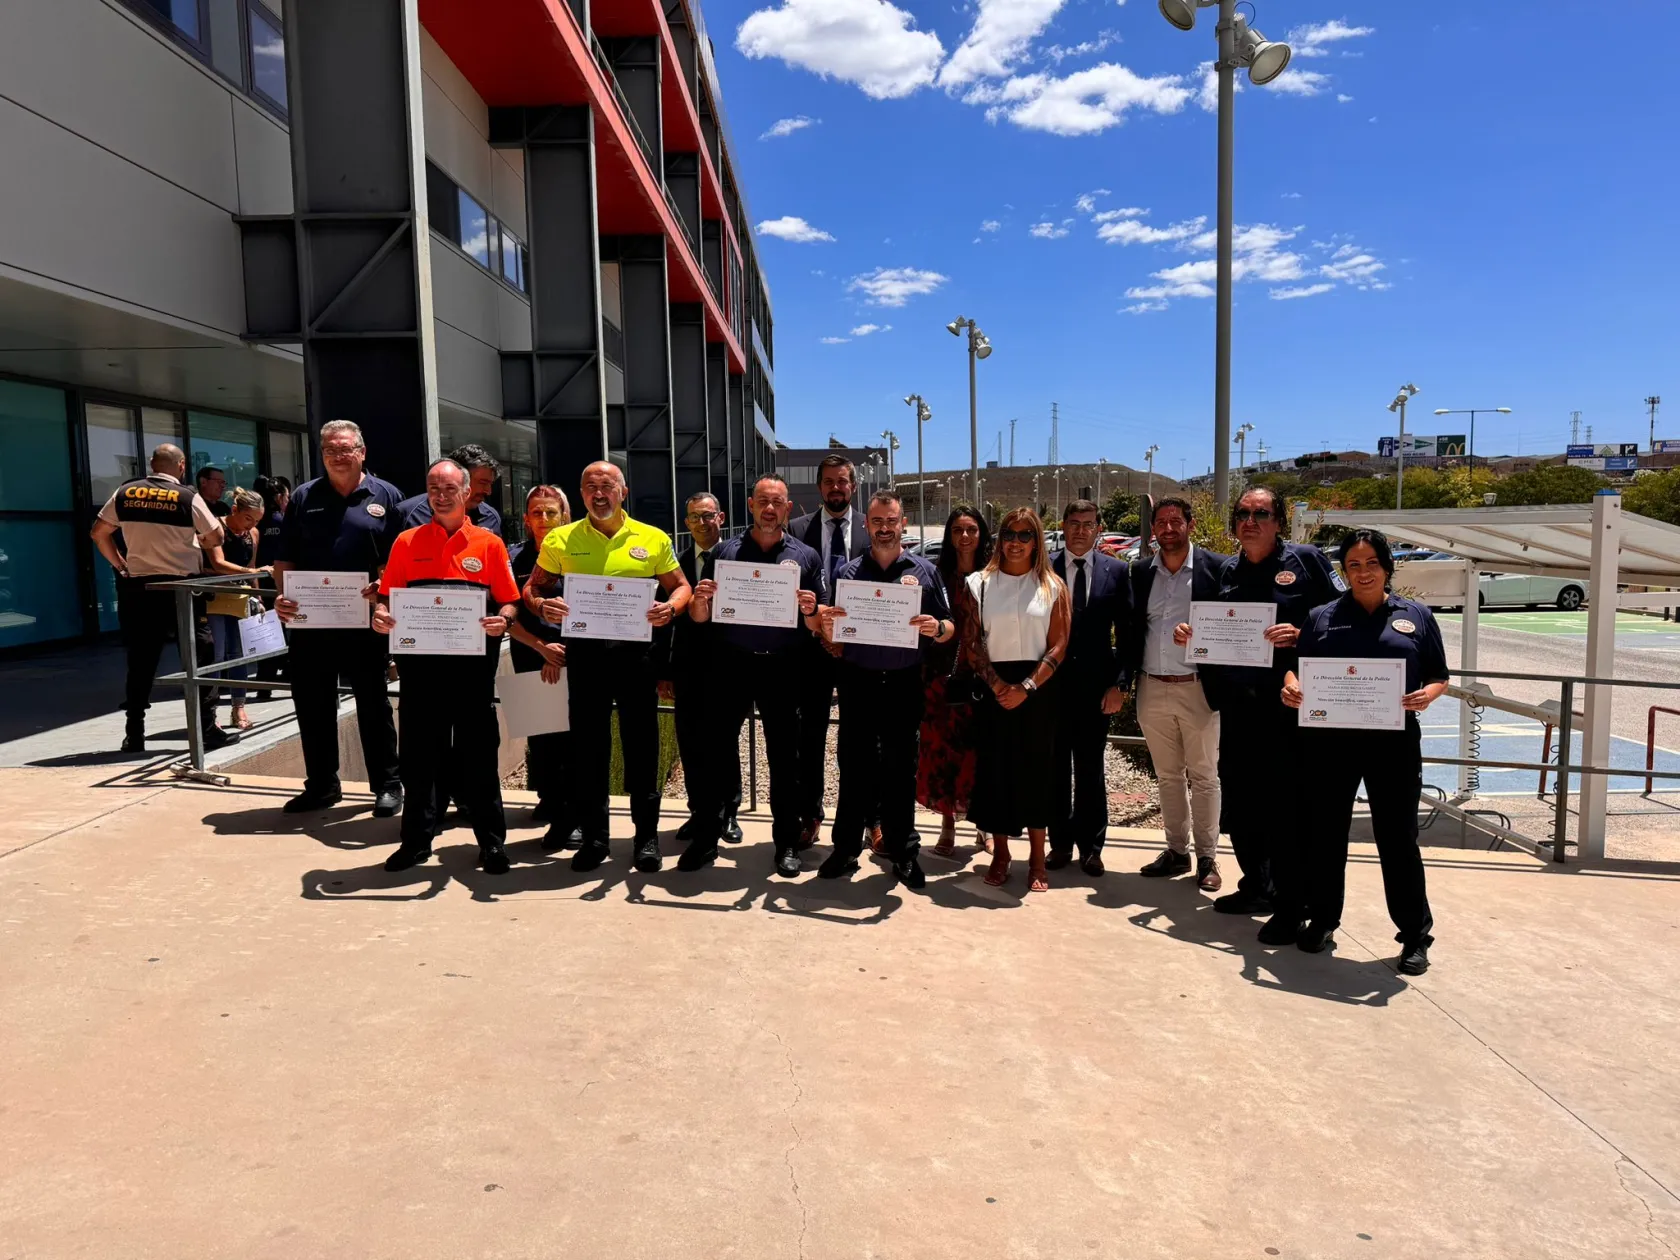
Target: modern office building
{"type": "Point", "coordinates": [513, 222]}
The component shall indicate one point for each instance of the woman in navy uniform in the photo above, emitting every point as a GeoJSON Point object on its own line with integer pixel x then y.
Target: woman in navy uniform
{"type": "Point", "coordinates": [1372, 622]}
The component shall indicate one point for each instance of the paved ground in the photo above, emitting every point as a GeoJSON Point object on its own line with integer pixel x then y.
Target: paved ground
{"type": "Point", "coordinates": [230, 1035]}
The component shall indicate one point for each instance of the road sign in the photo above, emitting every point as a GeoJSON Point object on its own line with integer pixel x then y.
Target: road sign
{"type": "Point", "coordinates": [1416, 444]}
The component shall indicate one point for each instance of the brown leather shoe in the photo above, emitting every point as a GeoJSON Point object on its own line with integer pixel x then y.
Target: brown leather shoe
{"type": "Point", "coordinates": [1207, 875]}
{"type": "Point", "coordinates": [1093, 865]}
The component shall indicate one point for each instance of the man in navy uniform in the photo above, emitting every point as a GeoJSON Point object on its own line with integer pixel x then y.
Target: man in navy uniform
{"type": "Point", "coordinates": [1087, 690]}
{"type": "Point", "coordinates": [481, 466]}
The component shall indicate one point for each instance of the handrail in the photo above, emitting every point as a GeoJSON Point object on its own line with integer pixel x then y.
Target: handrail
{"type": "Point", "coordinates": [1651, 743]}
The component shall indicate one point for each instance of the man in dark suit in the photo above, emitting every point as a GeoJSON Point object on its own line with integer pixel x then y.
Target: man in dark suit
{"type": "Point", "coordinates": [1177, 703]}
{"type": "Point", "coordinates": [1087, 690]}
{"type": "Point", "coordinates": [709, 772]}
{"type": "Point", "coordinates": [838, 533]}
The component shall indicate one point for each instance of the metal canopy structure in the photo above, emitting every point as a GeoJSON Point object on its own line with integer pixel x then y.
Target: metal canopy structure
{"type": "Point", "coordinates": [1596, 541]}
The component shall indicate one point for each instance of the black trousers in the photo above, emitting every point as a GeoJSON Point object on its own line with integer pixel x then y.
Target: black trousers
{"type": "Point", "coordinates": [1390, 763]}
{"type": "Point", "coordinates": [710, 756]}
{"type": "Point", "coordinates": [769, 680]}
{"type": "Point", "coordinates": [548, 765]}
{"type": "Point", "coordinates": [879, 747]}
{"type": "Point", "coordinates": [1261, 796]}
{"type": "Point", "coordinates": [147, 621]}
{"type": "Point", "coordinates": [603, 674]}
{"type": "Point", "coordinates": [448, 711]}
{"type": "Point", "coordinates": [318, 659]}
{"type": "Point", "coordinates": [1081, 817]}
{"type": "Point", "coordinates": [819, 673]}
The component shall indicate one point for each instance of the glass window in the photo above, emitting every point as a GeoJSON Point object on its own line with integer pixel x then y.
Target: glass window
{"type": "Point", "coordinates": [495, 244]}
{"type": "Point", "coordinates": [268, 55]}
{"type": "Point", "coordinates": [158, 426]}
{"type": "Point", "coordinates": [286, 457]}
{"type": "Point", "coordinates": [475, 229]}
{"type": "Point", "coordinates": [39, 597]}
{"type": "Point", "coordinates": [34, 449]}
{"type": "Point", "coordinates": [113, 450]}
{"type": "Point", "coordinates": [182, 15]}
{"type": "Point", "coordinates": [225, 443]}
{"type": "Point", "coordinates": [513, 260]}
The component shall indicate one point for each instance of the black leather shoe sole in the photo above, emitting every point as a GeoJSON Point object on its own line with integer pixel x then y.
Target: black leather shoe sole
{"type": "Point", "coordinates": [402, 859]}
{"type": "Point", "coordinates": [910, 874]}
{"type": "Point", "coordinates": [1413, 964]}
{"type": "Point", "coordinates": [495, 861]}
{"type": "Point", "coordinates": [556, 840]}
{"type": "Point", "coordinates": [647, 859]}
{"type": "Point", "coordinates": [1241, 903]}
{"type": "Point", "coordinates": [307, 804]}
{"type": "Point", "coordinates": [837, 868]}
{"type": "Point", "coordinates": [216, 737]}
{"type": "Point", "coordinates": [589, 856]}
{"type": "Point", "coordinates": [787, 863]}
{"type": "Point", "coordinates": [1093, 866]}
{"type": "Point", "coordinates": [1315, 942]}
{"type": "Point", "coordinates": [697, 857]}
{"type": "Point", "coordinates": [133, 744]}
{"type": "Point", "coordinates": [1277, 931]}
{"type": "Point", "coordinates": [732, 833]}
{"type": "Point", "coordinates": [1057, 861]}
{"type": "Point", "coordinates": [388, 805]}
{"type": "Point", "coordinates": [1159, 869]}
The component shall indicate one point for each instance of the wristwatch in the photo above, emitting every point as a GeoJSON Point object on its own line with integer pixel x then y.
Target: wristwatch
{"type": "Point", "coordinates": [1027, 684]}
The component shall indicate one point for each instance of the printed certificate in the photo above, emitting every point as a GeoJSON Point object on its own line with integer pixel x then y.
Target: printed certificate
{"type": "Point", "coordinates": [1342, 692]}
{"type": "Point", "coordinates": [877, 612]}
{"type": "Point", "coordinates": [609, 607]}
{"type": "Point", "coordinates": [1229, 634]}
{"type": "Point", "coordinates": [328, 600]}
{"type": "Point", "coordinates": [756, 594]}
{"type": "Point", "coordinates": [531, 706]}
{"type": "Point", "coordinates": [437, 621]}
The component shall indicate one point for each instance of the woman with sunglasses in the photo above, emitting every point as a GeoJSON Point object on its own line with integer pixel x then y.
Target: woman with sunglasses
{"type": "Point", "coordinates": [1015, 641]}
{"type": "Point", "coordinates": [945, 771]}
{"type": "Point", "coordinates": [1370, 621]}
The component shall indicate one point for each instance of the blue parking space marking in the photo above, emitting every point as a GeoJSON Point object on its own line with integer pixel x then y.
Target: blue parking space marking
{"type": "Point", "coordinates": [1506, 737]}
{"type": "Point", "coordinates": [1647, 634]}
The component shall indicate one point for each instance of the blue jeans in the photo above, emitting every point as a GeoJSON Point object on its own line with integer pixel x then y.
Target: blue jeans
{"type": "Point", "coordinates": [225, 632]}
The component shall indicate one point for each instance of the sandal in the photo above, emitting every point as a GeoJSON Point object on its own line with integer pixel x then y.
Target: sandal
{"type": "Point", "coordinates": [877, 841]}
{"type": "Point", "coordinates": [240, 717]}
{"type": "Point", "coordinates": [998, 875]}
{"type": "Point", "coordinates": [943, 849]}
{"type": "Point", "coordinates": [1039, 881]}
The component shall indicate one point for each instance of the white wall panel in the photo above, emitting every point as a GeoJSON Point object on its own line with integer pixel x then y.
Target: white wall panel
{"type": "Point", "coordinates": [265, 161]}
{"type": "Point", "coordinates": [468, 371]}
{"type": "Point", "coordinates": [515, 320]}
{"type": "Point", "coordinates": [457, 123]}
{"type": "Point", "coordinates": [464, 294]}
{"type": "Point", "coordinates": [509, 192]}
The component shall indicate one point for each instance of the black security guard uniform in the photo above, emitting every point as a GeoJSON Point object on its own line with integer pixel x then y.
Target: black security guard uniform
{"type": "Point", "coordinates": [699, 689]}
{"type": "Point", "coordinates": [1259, 771]}
{"type": "Point", "coordinates": [1390, 763]}
{"type": "Point", "coordinates": [324, 530]}
{"type": "Point", "coordinates": [881, 697]}
{"type": "Point", "coordinates": [757, 665]}
{"type": "Point", "coordinates": [546, 755]}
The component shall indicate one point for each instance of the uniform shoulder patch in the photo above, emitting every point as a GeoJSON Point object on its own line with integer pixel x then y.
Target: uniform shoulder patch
{"type": "Point", "coordinates": [638, 553]}
{"type": "Point", "coordinates": [1404, 626]}
{"type": "Point", "coordinates": [909, 579]}
{"type": "Point", "coordinates": [788, 564]}
{"type": "Point", "coordinates": [472, 564]}
{"type": "Point", "coordinates": [1285, 577]}
{"type": "Point", "coordinates": [376, 510]}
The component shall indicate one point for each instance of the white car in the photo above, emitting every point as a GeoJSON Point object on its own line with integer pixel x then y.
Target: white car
{"type": "Point", "coordinates": [1437, 582]}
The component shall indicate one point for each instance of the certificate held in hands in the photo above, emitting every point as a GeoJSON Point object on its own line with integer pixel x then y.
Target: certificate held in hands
{"type": "Point", "coordinates": [1340, 692]}
{"type": "Point", "coordinates": [609, 607]}
{"type": "Point", "coordinates": [877, 612]}
{"type": "Point", "coordinates": [1230, 634]}
{"type": "Point", "coordinates": [437, 621]}
{"type": "Point", "coordinates": [327, 599]}
{"type": "Point", "coordinates": [756, 594]}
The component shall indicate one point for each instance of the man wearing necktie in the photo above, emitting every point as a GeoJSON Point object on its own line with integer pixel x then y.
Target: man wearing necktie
{"type": "Point", "coordinates": [1087, 691]}
{"type": "Point", "coordinates": [694, 682]}
{"type": "Point", "coordinates": [839, 534]}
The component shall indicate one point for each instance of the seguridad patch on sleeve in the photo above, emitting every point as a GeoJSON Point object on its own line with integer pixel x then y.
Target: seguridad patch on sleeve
{"type": "Point", "coordinates": [376, 510]}
{"type": "Point", "coordinates": [1404, 626]}
{"type": "Point", "coordinates": [1286, 577]}
{"type": "Point", "coordinates": [909, 579]}
{"type": "Point", "coordinates": [788, 564]}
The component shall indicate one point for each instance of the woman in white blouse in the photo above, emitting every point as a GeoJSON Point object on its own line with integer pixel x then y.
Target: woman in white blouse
{"type": "Point", "coordinates": [1014, 644]}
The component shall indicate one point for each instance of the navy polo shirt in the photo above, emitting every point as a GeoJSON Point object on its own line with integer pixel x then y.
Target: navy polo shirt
{"type": "Point", "coordinates": [1400, 629]}
{"type": "Point", "coordinates": [910, 570]}
{"type": "Point", "coordinates": [789, 551]}
{"type": "Point", "coordinates": [417, 510]}
{"type": "Point", "coordinates": [326, 530]}
{"type": "Point", "coordinates": [1297, 578]}
{"type": "Point", "coordinates": [523, 557]}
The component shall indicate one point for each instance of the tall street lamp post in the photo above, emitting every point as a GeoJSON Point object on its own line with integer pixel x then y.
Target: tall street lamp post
{"type": "Point", "coordinates": [1399, 404]}
{"type": "Point", "coordinates": [1149, 458]}
{"type": "Point", "coordinates": [1471, 412]}
{"type": "Point", "coordinates": [1239, 45]}
{"type": "Point", "coordinates": [924, 413]}
{"type": "Point", "coordinates": [1242, 450]}
{"type": "Point", "coordinates": [979, 347]}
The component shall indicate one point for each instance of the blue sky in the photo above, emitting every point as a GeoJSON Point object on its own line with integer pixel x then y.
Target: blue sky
{"type": "Point", "coordinates": [1475, 198]}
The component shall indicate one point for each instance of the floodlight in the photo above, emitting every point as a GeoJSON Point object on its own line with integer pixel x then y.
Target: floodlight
{"type": "Point", "coordinates": [1504, 411]}
{"type": "Point", "coordinates": [982, 345]}
{"type": "Point", "coordinates": [1442, 411]}
{"type": "Point", "coordinates": [1264, 59]}
{"type": "Point", "coordinates": [955, 327]}
{"type": "Point", "coordinates": [1181, 13]}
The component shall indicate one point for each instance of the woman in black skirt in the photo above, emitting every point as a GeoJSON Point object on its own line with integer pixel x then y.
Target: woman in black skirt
{"type": "Point", "coordinates": [1014, 643]}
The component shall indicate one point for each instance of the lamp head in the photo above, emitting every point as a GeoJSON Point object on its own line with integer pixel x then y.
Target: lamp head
{"type": "Point", "coordinates": [1264, 59]}
{"type": "Point", "coordinates": [1181, 13]}
{"type": "Point", "coordinates": [1442, 411]}
{"type": "Point", "coordinates": [955, 327]}
{"type": "Point", "coordinates": [1504, 411]}
{"type": "Point", "coordinates": [982, 346]}
{"type": "Point", "coordinates": [909, 400]}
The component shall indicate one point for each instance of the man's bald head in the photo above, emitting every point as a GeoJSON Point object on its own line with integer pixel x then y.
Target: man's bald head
{"type": "Point", "coordinates": [169, 458]}
{"type": "Point", "coordinates": [604, 489]}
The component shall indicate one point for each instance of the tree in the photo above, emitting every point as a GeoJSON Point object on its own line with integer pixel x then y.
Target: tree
{"type": "Point", "coordinates": [1656, 495]}
{"type": "Point", "coordinates": [1552, 483]}
{"type": "Point", "coordinates": [1122, 513]}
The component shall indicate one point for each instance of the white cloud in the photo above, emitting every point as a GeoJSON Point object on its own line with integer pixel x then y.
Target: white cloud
{"type": "Point", "coordinates": [871, 43]}
{"type": "Point", "coordinates": [1143, 308]}
{"type": "Point", "coordinates": [1352, 265]}
{"type": "Point", "coordinates": [894, 286]}
{"type": "Point", "coordinates": [1290, 196]}
{"type": "Point", "coordinates": [1309, 40]}
{"type": "Point", "coordinates": [792, 228]}
{"type": "Point", "coordinates": [787, 126]}
{"type": "Point", "coordinates": [834, 341]}
{"type": "Point", "coordinates": [1342, 98]}
{"type": "Point", "coordinates": [1130, 231]}
{"type": "Point", "coordinates": [1125, 212]}
{"type": "Point", "coordinates": [1299, 83]}
{"type": "Point", "coordinates": [1086, 203]}
{"type": "Point", "coordinates": [1047, 231]}
{"type": "Point", "coordinates": [1083, 103]}
{"type": "Point", "coordinates": [999, 38]}
{"type": "Point", "coordinates": [1060, 53]}
{"type": "Point", "coordinates": [863, 330]}
{"type": "Point", "coordinates": [1303, 291]}
{"type": "Point", "coordinates": [1207, 89]}
{"type": "Point", "coordinates": [990, 225]}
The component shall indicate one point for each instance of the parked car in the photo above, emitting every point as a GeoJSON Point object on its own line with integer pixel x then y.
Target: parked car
{"type": "Point", "coordinates": [1429, 578]}
{"type": "Point", "coordinates": [1116, 544]}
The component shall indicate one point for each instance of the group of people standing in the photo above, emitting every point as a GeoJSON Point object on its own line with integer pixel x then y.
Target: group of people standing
{"type": "Point", "coordinates": [999, 714]}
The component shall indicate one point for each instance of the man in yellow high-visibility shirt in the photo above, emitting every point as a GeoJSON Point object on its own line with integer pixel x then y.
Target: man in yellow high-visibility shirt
{"type": "Point", "coordinates": [608, 543]}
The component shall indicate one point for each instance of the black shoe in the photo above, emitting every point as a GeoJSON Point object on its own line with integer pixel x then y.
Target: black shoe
{"type": "Point", "coordinates": [589, 855]}
{"type": "Point", "coordinates": [309, 802]}
{"type": "Point", "coordinates": [1281, 929]}
{"type": "Point", "coordinates": [542, 812]}
{"type": "Point", "coordinates": [1093, 865]}
{"type": "Point", "coordinates": [699, 855]}
{"type": "Point", "coordinates": [1058, 858]}
{"type": "Point", "coordinates": [685, 833]}
{"type": "Point", "coordinates": [560, 836]}
{"type": "Point", "coordinates": [389, 803]}
{"type": "Point", "coordinates": [1241, 902]}
{"type": "Point", "coordinates": [408, 855]}
{"type": "Point", "coordinates": [645, 854]}
{"type": "Point", "coordinates": [910, 874]}
{"type": "Point", "coordinates": [1168, 864]}
{"type": "Point", "coordinates": [732, 832]}
{"type": "Point", "coordinates": [1414, 960]}
{"type": "Point", "coordinates": [1315, 939]}
{"type": "Point", "coordinates": [787, 863]}
{"type": "Point", "coordinates": [134, 742]}
{"type": "Point", "coordinates": [837, 866]}
{"type": "Point", "coordinates": [215, 737]}
{"type": "Point", "coordinates": [494, 859]}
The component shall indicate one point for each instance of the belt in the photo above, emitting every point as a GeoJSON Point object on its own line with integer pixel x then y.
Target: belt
{"type": "Point", "coordinates": [1172, 678]}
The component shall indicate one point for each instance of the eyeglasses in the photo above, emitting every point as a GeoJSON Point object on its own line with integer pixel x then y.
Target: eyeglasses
{"type": "Point", "coordinates": [1257, 515]}
{"type": "Point", "coordinates": [704, 516]}
{"type": "Point", "coordinates": [1016, 535]}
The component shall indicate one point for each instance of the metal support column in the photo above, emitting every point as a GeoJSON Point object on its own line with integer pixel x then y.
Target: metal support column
{"type": "Point", "coordinates": [1470, 628]}
{"type": "Point", "coordinates": [640, 431]}
{"type": "Point", "coordinates": [691, 447]}
{"type": "Point", "coordinates": [1601, 663]}
{"type": "Point", "coordinates": [740, 450]}
{"type": "Point", "coordinates": [1227, 71]}
{"type": "Point", "coordinates": [717, 425]}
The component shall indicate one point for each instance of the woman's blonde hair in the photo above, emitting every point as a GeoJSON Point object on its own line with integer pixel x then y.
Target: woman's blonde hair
{"type": "Point", "coordinates": [248, 500]}
{"type": "Point", "coordinates": [1016, 519]}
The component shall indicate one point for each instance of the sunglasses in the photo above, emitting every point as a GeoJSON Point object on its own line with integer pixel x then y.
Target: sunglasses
{"type": "Point", "coordinates": [1257, 515]}
{"type": "Point", "coordinates": [1016, 535]}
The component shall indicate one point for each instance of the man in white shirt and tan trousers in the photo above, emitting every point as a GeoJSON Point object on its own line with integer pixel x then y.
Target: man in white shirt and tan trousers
{"type": "Point", "coordinates": [1175, 708]}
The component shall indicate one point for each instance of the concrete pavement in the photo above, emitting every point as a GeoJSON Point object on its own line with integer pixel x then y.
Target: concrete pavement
{"type": "Point", "coordinates": [231, 1034]}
